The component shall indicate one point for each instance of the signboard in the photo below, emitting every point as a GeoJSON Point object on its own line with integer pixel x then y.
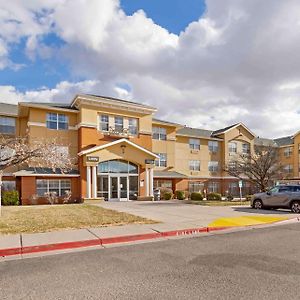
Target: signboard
{"type": "Point", "coordinates": [240, 183]}
{"type": "Point", "coordinates": [149, 161]}
{"type": "Point", "coordinates": [92, 159]}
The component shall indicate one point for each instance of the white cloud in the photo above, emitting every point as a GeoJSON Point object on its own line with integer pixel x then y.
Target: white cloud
{"type": "Point", "coordinates": [238, 62]}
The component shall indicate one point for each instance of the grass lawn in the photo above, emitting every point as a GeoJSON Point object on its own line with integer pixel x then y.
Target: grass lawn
{"type": "Point", "coordinates": [43, 218]}
{"type": "Point", "coordinates": [219, 203]}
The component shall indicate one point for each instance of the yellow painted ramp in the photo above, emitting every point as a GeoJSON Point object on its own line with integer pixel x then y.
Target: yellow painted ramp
{"type": "Point", "coordinates": [245, 221]}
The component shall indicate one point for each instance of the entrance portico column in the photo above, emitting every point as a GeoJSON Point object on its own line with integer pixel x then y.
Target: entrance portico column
{"type": "Point", "coordinates": [88, 182]}
{"type": "Point", "coordinates": [94, 182]}
{"type": "Point", "coordinates": [147, 182]}
{"type": "Point", "coordinates": [151, 181]}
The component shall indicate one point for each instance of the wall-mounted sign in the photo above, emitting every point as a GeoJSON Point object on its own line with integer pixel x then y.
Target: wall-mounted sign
{"type": "Point", "coordinates": [149, 161]}
{"type": "Point", "coordinates": [92, 159]}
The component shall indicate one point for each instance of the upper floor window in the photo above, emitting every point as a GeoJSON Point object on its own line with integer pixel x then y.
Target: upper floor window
{"type": "Point", "coordinates": [213, 146]}
{"type": "Point", "coordinates": [57, 121]}
{"type": "Point", "coordinates": [246, 148]}
{"type": "Point", "coordinates": [194, 144]}
{"type": "Point", "coordinates": [104, 123]}
{"type": "Point", "coordinates": [288, 151]}
{"type": "Point", "coordinates": [194, 165]}
{"type": "Point", "coordinates": [162, 160]}
{"type": "Point", "coordinates": [7, 125]}
{"type": "Point", "coordinates": [159, 133]}
{"type": "Point", "coordinates": [132, 126]}
{"type": "Point", "coordinates": [213, 166]}
{"type": "Point", "coordinates": [119, 124]}
{"type": "Point", "coordinates": [232, 147]}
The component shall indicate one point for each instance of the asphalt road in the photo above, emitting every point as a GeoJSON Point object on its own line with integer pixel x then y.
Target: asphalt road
{"type": "Point", "coordinates": [254, 264]}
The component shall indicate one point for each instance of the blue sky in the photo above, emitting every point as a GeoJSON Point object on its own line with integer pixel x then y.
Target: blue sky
{"type": "Point", "coordinates": [174, 15]}
{"type": "Point", "coordinates": [224, 62]}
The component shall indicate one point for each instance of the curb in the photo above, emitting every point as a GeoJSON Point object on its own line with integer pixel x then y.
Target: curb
{"type": "Point", "coordinates": [106, 241]}
{"type": "Point", "coordinates": [119, 239]}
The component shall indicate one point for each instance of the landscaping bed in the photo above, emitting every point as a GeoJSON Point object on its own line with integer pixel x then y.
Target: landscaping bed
{"type": "Point", "coordinates": [31, 219]}
{"type": "Point", "coordinates": [218, 203]}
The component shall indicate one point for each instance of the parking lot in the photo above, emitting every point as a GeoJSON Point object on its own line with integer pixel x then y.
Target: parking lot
{"type": "Point", "coordinates": [179, 214]}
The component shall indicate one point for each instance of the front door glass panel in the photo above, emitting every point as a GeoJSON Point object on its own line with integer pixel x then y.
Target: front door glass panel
{"type": "Point", "coordinates": [114, 188]}
{"type": "Point", "coordinates": [123, 187]}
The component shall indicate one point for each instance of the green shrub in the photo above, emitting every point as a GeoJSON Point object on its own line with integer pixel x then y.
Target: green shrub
{"type": "Point", "coordinates": [166, 194]}
{"type": "Point", "coordinates": [180, 195]}
{"type": "Point", "coordinates": [10, 198]}
{"type": "Point", "coordinates": [214, 197]}
{"type": "Point", "coordinates": [196, 196]}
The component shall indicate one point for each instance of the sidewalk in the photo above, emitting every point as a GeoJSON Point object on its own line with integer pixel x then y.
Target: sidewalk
{"type": "Point", "coordinates": [24, 245]}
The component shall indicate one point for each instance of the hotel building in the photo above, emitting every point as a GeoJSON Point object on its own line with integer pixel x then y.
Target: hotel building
{"type": "Point", "coordinates": [123, 152]}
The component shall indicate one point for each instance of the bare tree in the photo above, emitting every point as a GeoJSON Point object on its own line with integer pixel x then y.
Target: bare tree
{"type": "Point", "coordinates": [260, 168]}
{"type": "Point", "coordinates": [15, 151]}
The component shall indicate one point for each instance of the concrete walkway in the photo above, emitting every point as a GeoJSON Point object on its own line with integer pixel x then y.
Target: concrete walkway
{"type": "Point", "coordinates": [176, 218]}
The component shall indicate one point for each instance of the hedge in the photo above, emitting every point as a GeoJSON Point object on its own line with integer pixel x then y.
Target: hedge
{"type": "Point", "coordinates": [214, 197]}
{"type": "Point", "coordinates": [180, 195]}
{"type": "Point", "coordinates": [196, 196]}
{"type": "Point", "coordinates": [166, 194]}
{"type": "Point", "coordinates": [10, 198]}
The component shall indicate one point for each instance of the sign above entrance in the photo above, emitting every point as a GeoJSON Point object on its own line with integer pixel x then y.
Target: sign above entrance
{"type": "Point", "coordinates": [94, 159]}
{"type": "Point", "coordinates": [149, 161]}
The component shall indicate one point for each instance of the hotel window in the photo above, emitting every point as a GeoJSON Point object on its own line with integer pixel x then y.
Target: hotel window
{"type": "Point", "coordinates": [194, 144]}
{"type": "Point", "coordinates": [194, 165]}
{"type": "Point", "coordinates": [246, 148]}
{"type": "Point", "coordinates": [232, 147]}
{"type": "Point", "coordinates": [213, 187]}
{"type": "Point", "coordinates": [233, 188]}
{"type": "Point", "coordinates": [196, 186]}
{"type": "Point", "coordinates": [119, 124]}
{"type": "Point", "coordinates": [158, 183]}
{"type": "Point", "coordinates": [133, 126]}
{"type": "Point", "coordinates": [60, 187]}
{"type": "Point", "coordinates": [7, 125]}
{"type": "Point", "coordinates": [288, 168]}
{"type": "Point", "coordinates": [57, 121]}
{"type": "Point", "coordinates": [213, 146]}
{"type": "Point", "coordinates": [288, 151]}
{"type": "Point", "coordinates": [159, 133]}
{"type": "Point", "coordinates": [162, 160]}
{"type": "Point", "coordinates": [213, 166]}
{"type": "Point", "coordinates": [104, 123]}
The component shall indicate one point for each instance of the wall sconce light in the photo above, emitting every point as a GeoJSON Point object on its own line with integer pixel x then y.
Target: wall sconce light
{"type": "Point", "coordinates": [123, 147]}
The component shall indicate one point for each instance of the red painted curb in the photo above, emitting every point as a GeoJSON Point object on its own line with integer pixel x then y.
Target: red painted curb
{"type": "Point", "coordinates": [130, 238]}
{"type": "Point", "coordinates": [105, 241]}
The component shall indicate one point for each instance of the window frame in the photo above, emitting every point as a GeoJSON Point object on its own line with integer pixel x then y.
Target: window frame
{"type": "Point", "coordinates": [57, 121]}
{"type": "Point", "coordinates": [7, 119]}
{"type": "Point", "coordinates": [193, 145]}
{"type": "Point", "coordinates": [212, 145]}
{"type": "Point", "coordinates": [101, 123]}
{"type": "Point", "coordinates": [213, 166]}
{"type": "Point", "coordinates": [130, 126]}
{"type": "Point", "coordinates": [119, 127]}
{"type": "Point", "coordinates": [161, 162]}
{"type": "Point", "coordinates": [194, 164]}
{"type": "Point", "coordinates": [159, 133]}
{"type": "Point", "coordinates": [230, 147]}
{"type": "Point", "coordinates": [54, 187]}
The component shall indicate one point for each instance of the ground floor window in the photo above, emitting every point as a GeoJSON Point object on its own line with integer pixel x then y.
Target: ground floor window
{"type": "Point", "coordinates": [196, 187]}
{"type": "Point", "coordinates": [162, 183]}
{"type": "Point", "coordinates": [60, 186]}
{"type": "Point", "coordinates": [233, 188]}
{"type": "Point", "coordinates": [8, 185]}
{"type": "Point", "coordinates": [213, 187]}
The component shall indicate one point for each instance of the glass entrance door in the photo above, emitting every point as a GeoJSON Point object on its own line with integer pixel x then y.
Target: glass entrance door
{"type": "Point", "coordinates": [114, 188]}
{"type": "Point", "coordinates": [118, 188]}
{"type": "Point", "coordinates": [123, 188]}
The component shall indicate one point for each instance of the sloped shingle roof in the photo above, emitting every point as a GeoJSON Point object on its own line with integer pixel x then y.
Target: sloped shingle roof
{"type": "Point", "coordinates": [188, 131]}
{"type": "Point", "coordinates": [283, 141]}
{"type": "Point", "coordinates": [8, 109]}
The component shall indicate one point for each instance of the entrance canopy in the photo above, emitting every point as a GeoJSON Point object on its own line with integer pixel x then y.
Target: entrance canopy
{"type": "Point", "coordinates": [120, 149]}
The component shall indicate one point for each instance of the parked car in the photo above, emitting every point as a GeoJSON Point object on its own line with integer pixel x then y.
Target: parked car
{"type": "Point", "coordinates": [280, 196]}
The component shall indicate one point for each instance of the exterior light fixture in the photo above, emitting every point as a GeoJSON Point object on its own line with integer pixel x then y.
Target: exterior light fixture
{"type": "Point", "coordinates": [123, 147]}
